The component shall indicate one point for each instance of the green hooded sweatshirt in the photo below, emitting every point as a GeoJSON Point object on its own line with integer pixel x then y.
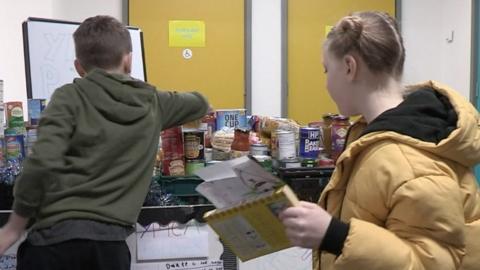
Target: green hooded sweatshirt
{"type": "Point", "coordinates": [97, 141]}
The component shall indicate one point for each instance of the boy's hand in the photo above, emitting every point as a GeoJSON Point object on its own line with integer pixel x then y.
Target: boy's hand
{"type": "Point", "coordinates": [12, 231]}
{"type": "Point", "coordinates": [306, 224]}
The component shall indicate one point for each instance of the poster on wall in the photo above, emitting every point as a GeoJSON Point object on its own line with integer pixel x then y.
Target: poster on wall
{"type": "Point", "coordinates": [183, 33]}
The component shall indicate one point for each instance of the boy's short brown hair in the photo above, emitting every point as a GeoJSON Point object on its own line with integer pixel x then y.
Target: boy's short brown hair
{"type": "Point", "coordinates": [101, 42]}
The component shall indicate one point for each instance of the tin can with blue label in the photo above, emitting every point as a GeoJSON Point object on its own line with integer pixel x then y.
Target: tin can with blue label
{"type": "Point", "coordinates": [35, 109]}
{"type": "Point", "coordinates": [309, 142]}
{"type": "Point", "coordinates": [235, 118]}
{"type": "Point", "coordinates": [14, 147]}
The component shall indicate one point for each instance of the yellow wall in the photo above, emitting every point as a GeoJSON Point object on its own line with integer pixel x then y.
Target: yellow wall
{"type": "Point", "coordinates": [308, 98]}
{"type": "Point", "coordinates": [216, 70]}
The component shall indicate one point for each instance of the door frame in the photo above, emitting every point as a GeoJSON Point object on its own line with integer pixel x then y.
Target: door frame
{"type": "Point", "coordinates": [475, 66]}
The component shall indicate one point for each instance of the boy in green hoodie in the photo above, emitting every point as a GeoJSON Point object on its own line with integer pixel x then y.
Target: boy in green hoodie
{"type": "Point", "coordinates": [83, 186]}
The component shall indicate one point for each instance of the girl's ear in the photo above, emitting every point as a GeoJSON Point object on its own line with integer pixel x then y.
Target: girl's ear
{"type": "Point", "coordinates": [351, 66]}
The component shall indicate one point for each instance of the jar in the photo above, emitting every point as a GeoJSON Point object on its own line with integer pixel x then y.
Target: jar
{"type": "Point", "coordinates": [327, 135]}
{"type": "Point", "coordinates": [339, 130]}
{"type": "Point", "coordinates": [241, 144]}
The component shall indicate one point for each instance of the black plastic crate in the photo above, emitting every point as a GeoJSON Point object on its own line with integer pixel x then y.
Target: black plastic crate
{"type": "Point", "coordinates": [307, 183]}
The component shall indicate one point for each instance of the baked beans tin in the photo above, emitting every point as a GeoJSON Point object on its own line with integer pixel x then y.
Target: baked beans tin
{"type": "Point", "coordinates": [35, 109]}
{"type": "Point", "coordinates": [194, 144]}
{"type": "Point", "coordinates": [172, 148]}
{"type": "Point", "coordinates": [283, 145]}
{"type": "Point", "coordinates": [14, 114]}
{"type": "Point", "coordinates": [309, 142]}
{"type": "Point", "coordinates": [234, 118]}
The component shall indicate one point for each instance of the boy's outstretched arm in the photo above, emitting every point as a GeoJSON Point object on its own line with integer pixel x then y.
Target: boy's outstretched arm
{"type": "Point", "coordinates": [12, 231]}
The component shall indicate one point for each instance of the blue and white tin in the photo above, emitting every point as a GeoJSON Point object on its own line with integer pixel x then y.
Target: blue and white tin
{"type": "Point", "coordinates": [309, 142]}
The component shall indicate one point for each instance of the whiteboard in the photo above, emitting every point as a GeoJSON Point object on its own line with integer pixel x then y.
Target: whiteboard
{"type": "Point", "coordinates": [50, 53]}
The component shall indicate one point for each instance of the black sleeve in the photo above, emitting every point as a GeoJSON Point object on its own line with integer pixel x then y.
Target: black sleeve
{"type": "Point", "coordinates": [335, 237]}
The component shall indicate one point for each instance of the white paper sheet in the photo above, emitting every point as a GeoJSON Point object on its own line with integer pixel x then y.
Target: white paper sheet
{"type": "Point", "coordinates": [294, 258]}
{"type": "Point", "coordinates": [236, 181]}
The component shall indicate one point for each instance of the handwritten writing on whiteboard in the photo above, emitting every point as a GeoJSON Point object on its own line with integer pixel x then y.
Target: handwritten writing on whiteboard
{"type": "Point", "coordinates": [8, 262]}
{"type": "Point", "coordinates": [173, 241]}
{"type": "Point", "coordinates": [192, 265]}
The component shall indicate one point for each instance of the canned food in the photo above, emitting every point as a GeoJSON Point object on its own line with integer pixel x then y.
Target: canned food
{"type": "Point", "coordinates": [194, 144]}
{"type": "Point", "coordinates": [172, 149]}
{"type": "Point", "coordinates": [339, 132]}
{"type": "Point", "coordinates": [209, 123]}
{"type": "Point", "coordinates": [191, 166]}
{"type": "Point", "coordinates": [173, 167]}
{"type": "Point", "coordinates": [327, 132]}
{"type": "Point", "coordinates": [35, 109]}
{"type": "Point", "coordinates": [208, 154]}
{"type": "Point", "coordinates": [31, 139]}
{"type": "Point", "coordinates": [309, 142]}
{"type": "Point", "coordinates": [14, 147]}
{"type": "Point", "coordinates": [285, 147]}
{"type": "Point", "coordinates": [234, 118]}
{"type": "Point", "coordinates": [309, 163]}
{"type": "Point", "coordinates": [14, 114]}
{"type": "Point", "coordinates": [290, 163]}
{"type": "Point", "coordinates": [258, 149]}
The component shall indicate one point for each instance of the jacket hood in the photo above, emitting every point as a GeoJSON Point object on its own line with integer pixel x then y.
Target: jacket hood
{"type": "Point", "coordinates": [117, 97]}
{"type": "Point", "coordinates": [433, 118]}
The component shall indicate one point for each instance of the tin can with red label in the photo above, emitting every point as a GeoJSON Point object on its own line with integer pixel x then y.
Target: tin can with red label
{"type": "Point", "coordinates": [172, 146]}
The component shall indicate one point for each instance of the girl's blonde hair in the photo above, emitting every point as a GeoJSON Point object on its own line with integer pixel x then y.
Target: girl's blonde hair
{"type": "Point", "coordinates": [374, 36]}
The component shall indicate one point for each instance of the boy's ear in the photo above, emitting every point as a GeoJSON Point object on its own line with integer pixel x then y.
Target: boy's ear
{"type": "Point", "coordinates": [351, 66]}
{"type": "Point", "coordinates": [127, 63]}
{"type": "Point", "coordinates": [80, 70]}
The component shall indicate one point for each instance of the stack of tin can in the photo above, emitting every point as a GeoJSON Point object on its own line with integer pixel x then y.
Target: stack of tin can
{"type": "Point", "coordinates": [15, 132]}
{"type": "Point", "coordinates": [35, 109]}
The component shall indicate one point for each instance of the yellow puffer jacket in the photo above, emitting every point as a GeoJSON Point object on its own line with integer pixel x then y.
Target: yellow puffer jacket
{"type": "Point", "coordinates": [410, 204]}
